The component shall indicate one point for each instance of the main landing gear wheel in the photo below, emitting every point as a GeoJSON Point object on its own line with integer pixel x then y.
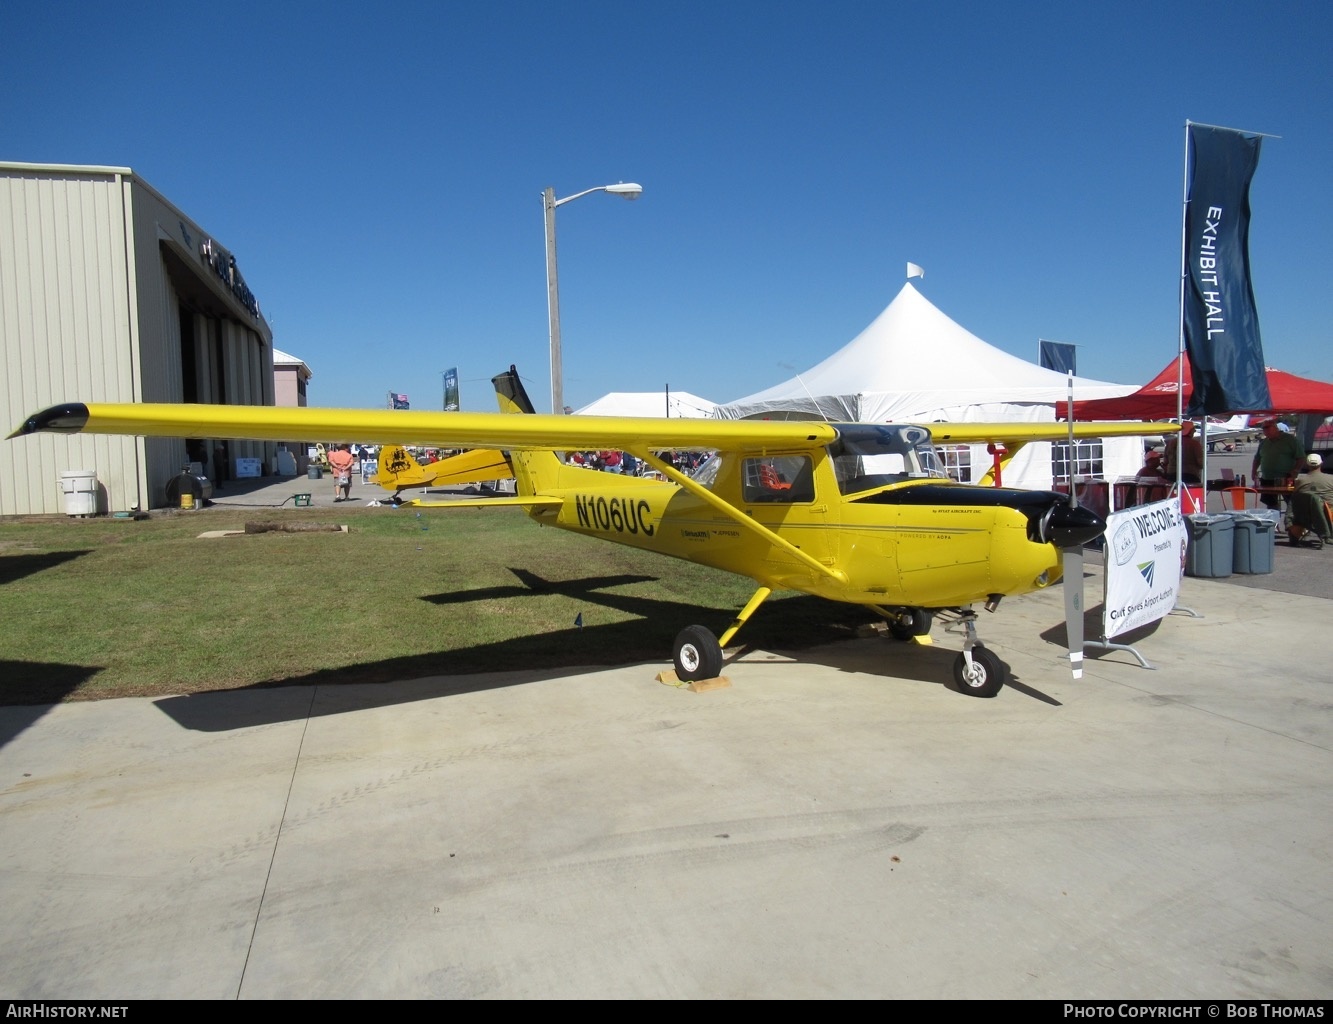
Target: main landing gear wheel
{"type": "Point", "coordinates": [912, 622]}
{"type": "Point", "coordinates": [697, 654]}
{"type": "Point", "coordinates": [986, 676]}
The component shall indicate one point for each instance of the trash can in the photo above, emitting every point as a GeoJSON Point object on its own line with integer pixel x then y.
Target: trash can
{"type": "Point", "coordinates": [1253, 538]}
{"type": "Point", "coordinates": [314, 473]}
{"type": "Point", "coordinates": [80, 490]}
{"type": "Point", "coordinates": [1210, 548]}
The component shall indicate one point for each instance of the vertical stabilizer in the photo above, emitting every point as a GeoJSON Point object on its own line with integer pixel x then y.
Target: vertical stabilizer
{"type": "Point", "coordinates": [533, 471]}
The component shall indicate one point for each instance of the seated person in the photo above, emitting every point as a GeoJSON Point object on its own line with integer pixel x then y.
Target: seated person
{"type": "Point", "coordinates": [1152, 465]}
{"type": "Point", "coordinates": [1310, 501]}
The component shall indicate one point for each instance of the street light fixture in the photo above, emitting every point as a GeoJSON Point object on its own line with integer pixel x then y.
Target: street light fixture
{"type": "Point", "coordinates": [628, 190]}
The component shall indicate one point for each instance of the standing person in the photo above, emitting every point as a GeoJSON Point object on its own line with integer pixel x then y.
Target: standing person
{"type": "Point", "coordinates": [341, 461]}
{"type": "Point", "coordinates": [1276, 460]}
{"type": "Point", "coordinates": [1189, 450]}
{"type": "Point", "coordinates": [221, 467]}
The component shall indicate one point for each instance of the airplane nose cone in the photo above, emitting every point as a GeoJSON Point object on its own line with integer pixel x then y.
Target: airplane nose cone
{"type": "Point", "coordinates": [1067, 527]}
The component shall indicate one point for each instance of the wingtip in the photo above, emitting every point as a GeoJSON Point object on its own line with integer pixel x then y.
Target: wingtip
{"type": "Point", "coordinates": [69, 418]}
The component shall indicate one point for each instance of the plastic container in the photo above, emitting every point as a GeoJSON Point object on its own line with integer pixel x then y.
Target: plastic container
{"type": "Point", "coordinates": [196, 488]}
{"type": "Point", "coordinates": [1211, 546]}
{"type": "Point", "coordinates": [1192, 500]}
{"type": "Point", "coordinates": [1253, 539]}
{"type": "Point", "coordinates": [80, 490]}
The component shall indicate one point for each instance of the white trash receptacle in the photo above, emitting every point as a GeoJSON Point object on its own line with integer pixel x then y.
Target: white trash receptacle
{"type": "Point", "coordinates": [80, 489]}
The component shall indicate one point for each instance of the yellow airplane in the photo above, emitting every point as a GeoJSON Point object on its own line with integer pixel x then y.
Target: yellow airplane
{"type": "Point", "coordinates": [397, 470]}
{"type": "Point", "coordinates": [854, 512]}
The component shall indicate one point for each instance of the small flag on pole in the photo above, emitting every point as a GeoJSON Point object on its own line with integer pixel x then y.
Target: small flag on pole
{"type": "Point", "coordinates": [578, 620]}
{"type": "Point", "coordinates": [914, 271]}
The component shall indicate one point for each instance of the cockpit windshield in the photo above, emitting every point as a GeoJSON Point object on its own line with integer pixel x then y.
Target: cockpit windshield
{"type": "Point", "coordinates": [866, 456]}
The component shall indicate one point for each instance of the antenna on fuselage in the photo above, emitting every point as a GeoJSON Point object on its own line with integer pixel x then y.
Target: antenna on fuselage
{"type": "Point", "coordinates": [813, 400]}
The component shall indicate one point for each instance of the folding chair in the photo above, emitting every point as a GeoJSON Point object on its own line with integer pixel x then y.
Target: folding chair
{"type": "Point", "coordinates": [1235, 499]}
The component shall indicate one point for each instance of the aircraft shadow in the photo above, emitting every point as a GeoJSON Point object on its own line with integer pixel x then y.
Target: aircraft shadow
{"type": "Point", "coordinates": [15, 567]}
{"type": "Point", "coordinates": [801, 626]}
{"type": "Point", "coordinates": [28, 686]}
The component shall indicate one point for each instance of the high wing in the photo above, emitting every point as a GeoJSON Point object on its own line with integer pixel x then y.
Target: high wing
{"type": "Point", "coordinates": [536, 432]}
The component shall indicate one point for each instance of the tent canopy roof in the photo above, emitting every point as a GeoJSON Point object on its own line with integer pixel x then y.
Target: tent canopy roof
{"type": "Point", "coordinates": [676, 404]}
{"type": "Point", "coordinates": [1156, 400]}
{"type": "Point", "coordinates": [912, 360]}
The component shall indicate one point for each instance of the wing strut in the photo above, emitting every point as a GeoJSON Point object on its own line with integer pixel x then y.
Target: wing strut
{"type": "Point", "coordinates": [737, 516]}
{"type": "Point", "coordinates": [760, 596]}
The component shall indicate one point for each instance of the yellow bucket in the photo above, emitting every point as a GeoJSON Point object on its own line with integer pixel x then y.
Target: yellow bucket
{"type": "Point", "coordinates": [187, 499]}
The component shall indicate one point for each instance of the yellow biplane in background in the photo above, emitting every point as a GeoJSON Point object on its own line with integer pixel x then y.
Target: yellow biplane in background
{"type": "Point", "coordinates": [854, 512]}
{"type": "Point", "coordinates": [396, 470]}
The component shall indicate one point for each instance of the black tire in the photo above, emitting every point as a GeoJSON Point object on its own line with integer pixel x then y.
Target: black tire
{"type": "Point", "coordinates": [914, 622]}
{"type": "Point", "coordinates": [697, 654]}
{"type": "Point", "coordinates": [987, 675]}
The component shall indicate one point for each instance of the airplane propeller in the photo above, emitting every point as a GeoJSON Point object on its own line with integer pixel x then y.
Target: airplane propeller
{"type": "Point", "coordinates": [1072, 557]}
{"type": "Point", "coordinates": [1070, 539]}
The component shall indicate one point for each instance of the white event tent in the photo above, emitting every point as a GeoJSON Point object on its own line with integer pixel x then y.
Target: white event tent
{"type": "Point", "coordinates": [675, 404]}
{"type": "Point", "coordinates": [915, 365]}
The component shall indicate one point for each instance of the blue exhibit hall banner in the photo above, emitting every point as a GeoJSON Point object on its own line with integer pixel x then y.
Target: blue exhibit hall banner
{"type": "Point", "coordinates": [1220, 320]}
{"type": "Point", "coordinates": [1057, 355]}
{"type": "Point", "coordinates": [451, 389]}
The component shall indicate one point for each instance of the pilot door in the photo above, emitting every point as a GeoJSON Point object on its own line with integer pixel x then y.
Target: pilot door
{"type": "Point", "coordinates": [782, 493]}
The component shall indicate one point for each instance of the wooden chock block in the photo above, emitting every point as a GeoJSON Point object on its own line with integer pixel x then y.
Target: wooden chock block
{"type": "Point", "coordinates": [698, 686]}
{"type": "Point", "coordinates": [704, 685]}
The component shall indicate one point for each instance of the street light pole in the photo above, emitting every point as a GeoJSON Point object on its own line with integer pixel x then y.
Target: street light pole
{"type": "Point", "coordinates": [549, 202]}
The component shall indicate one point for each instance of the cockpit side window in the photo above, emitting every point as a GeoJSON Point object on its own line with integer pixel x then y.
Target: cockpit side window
{"type": "Point", "coordinates": [788, 479]}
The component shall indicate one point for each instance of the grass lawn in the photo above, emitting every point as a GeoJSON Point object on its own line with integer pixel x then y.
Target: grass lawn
{"type": "Point", "coordinates": [113, 608]}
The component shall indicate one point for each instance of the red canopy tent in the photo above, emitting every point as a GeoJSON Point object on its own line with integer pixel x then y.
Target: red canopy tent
{"type": "Point", "coordinates": [1156, 400]}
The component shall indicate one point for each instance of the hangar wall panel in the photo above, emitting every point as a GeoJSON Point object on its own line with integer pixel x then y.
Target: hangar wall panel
{"type": "Point", "coordinates": [97, 272]}
{"type": "Point", "coordinates": [65, 324]}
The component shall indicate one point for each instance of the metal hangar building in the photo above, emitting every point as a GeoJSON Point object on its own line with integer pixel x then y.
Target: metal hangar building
{"type": "Point", "coordinates": [109, 293]}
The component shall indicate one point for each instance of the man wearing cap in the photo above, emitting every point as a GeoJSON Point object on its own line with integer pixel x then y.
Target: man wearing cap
{"type": "Point", "coordinates": [1277, 459]}
{"type": "Point", "coordinates": [1310, 502]}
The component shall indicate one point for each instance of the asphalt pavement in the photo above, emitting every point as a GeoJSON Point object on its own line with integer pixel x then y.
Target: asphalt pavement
{"type": "Point", "coordinates": [838, 824]}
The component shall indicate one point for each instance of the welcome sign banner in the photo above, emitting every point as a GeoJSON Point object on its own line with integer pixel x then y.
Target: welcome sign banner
{"type": "Point", "coordinates": [1145, 560]}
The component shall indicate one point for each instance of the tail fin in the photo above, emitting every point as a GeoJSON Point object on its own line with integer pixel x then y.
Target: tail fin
{"type": "Point", "coordinates": [532, 470]}
{"type": "Point", "coordinates": [510, 393]}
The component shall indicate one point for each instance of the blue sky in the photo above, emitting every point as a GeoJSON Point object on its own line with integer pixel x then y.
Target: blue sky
{"type": "Point", "coordinates": [378, 170]}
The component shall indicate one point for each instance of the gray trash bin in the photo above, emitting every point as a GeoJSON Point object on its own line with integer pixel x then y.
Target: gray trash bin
{"type": "Point", "coordinates": [314, 473]}
{"type": "Point", "coordinates": [1252, 543]}
{"type": "Point", "coordinates": [1209, 552]}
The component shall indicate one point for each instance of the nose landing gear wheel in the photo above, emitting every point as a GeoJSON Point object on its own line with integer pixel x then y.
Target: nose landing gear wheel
{"type": "Point", "coordinates": [697, 654]}
{"type": "Point", "coordinates": [985, 677]}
